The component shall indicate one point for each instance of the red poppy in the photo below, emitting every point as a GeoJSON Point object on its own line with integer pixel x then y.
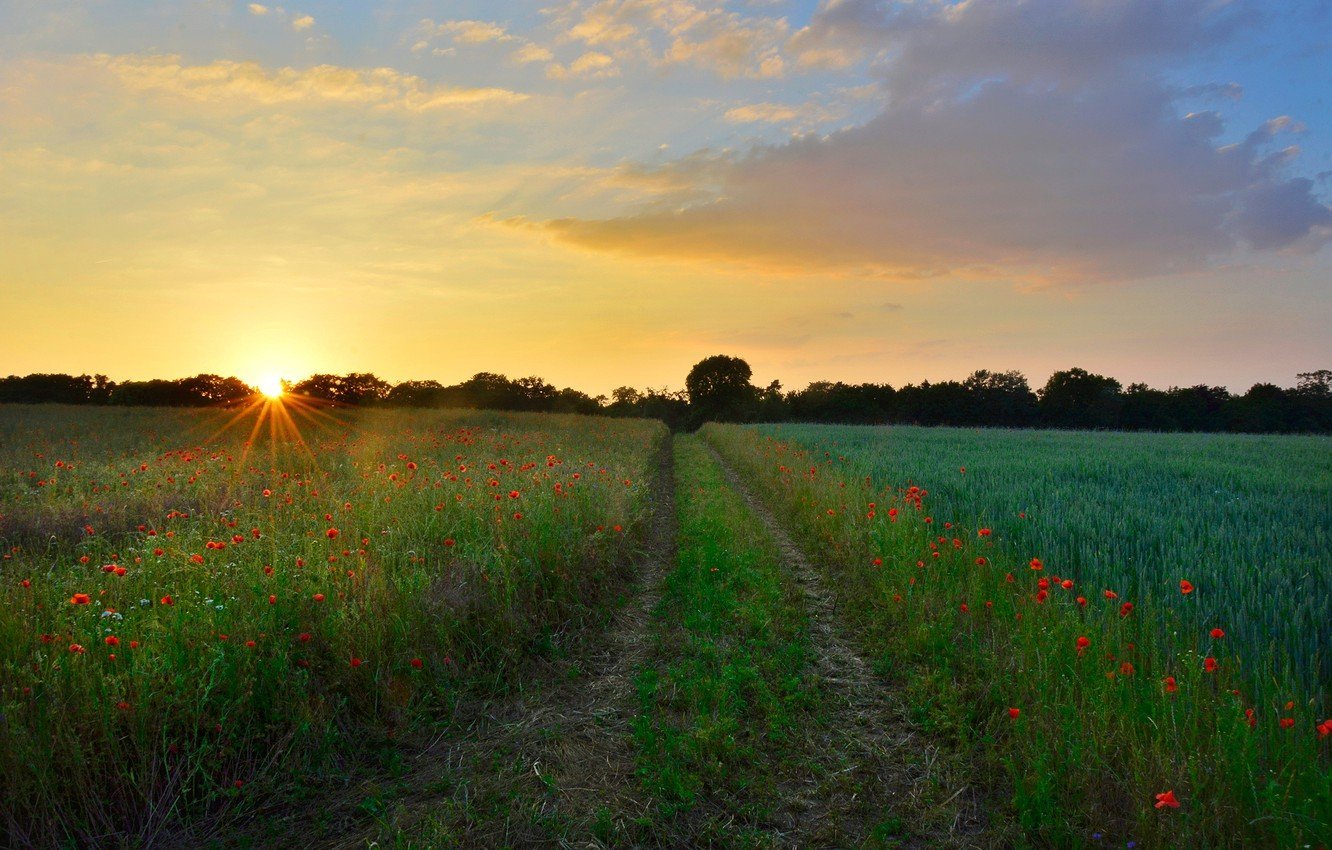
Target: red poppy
{"type": "Point", "coordinates": [1287, 722]}
{"type": "Point", "coordinates": [1036, 564]}
{"type": "Point", "coordinates": [1217, 634]}
{"type": "Point", "coordinates": [1170, 685]}
{"type": "Point", "coordinates": [80, 599]}
{"type": "Point", "coordinates": [1325, 728]}
{"type": "Point", "coordinates": [1185, 586]}
{"type": "Point", "coordinates": [984, 532]}
{"type": "Point", "coordinates": [1209, 664]}
{"type": "Point", "coordinates": [1167, 800]}
{"type": "Point", "coordinates": [112, 640]}
{"type": "Point", "coordinates": [1014, 712]}
{"type": "Point", "coordinates": [76, 648]}
{"type": "Point", "coordinates": [331, 533]}
{"type": "Point", "coordinates": [1110, 594]}
{"type": "Point", "coordinates": [319, 597]}
{"type": "Point", "coordinates": [1126, 609]}
{"type": "Point", "coordinates": [417, 663]}
{"type": "Point", "coordinates": [1083, 643]}
{"type": "Point", "coordinates": [167, 600]}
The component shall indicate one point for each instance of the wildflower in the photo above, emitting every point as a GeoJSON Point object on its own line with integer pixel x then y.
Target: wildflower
{"type": "Point", "coordinates": [417, 663]}
{"type": "Point", "coordinates": [1110, 594]}
{"type": "Point", "coordinates": [984, 532]}
{"type": "Point", "coordinates": [356, 662]}
{"type": "Point", "coordinates": [1082, 601]}
{"type": "Point", "coordinates": [319, 597]}
{"type": "Point", "coordinates": [1287, 722]}
{"type": "Point", "coordinates": [1185, 586]}
{"type": "Point", "coordinates": [1325, 728]}
{"type": "Point", "coordinates": [1209, 664]}
{"type": "Point", "coordinates": [331, 533]}
{"type": "Point", "coordinates": [75, 648]}
{"type": "Point", "coordinates": [1217, 634]}
{"type": "Point", "coordinates": [1036, 564]}
{"type": "Point", "coordinates": [1013, 713]}
{"type": "Point", "coordinates": [1126, 609]}
{"type": "Point", "coordinates": [112, 640]}
{"type": "Point", "coordinates": [1170, 685]}
{"type": "Point", "coordinates": [1167, 800]}
{"type": "Point", "coordinates": [1083, 643]}
{"type": "Point", "coordinates": [80, 599]}
{"type": "Point", "coordinates": [167, 600]}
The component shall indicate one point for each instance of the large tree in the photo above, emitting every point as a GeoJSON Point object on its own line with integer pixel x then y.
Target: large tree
{"type": "Point", "coordinates": [719, 390]}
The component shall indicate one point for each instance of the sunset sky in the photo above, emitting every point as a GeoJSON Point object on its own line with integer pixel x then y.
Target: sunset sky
{"type": "Point", "coordinates": [604, 192]}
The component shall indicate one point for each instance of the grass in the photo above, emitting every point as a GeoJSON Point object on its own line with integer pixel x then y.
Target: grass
{"type": "Point", "coordinates": [961, 621]}
{"type": "Point", "coordinates": [722, 703]}
{"type": "Point", "coordinates": [192, 616]}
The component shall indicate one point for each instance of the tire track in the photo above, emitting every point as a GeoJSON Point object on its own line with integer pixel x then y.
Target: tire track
{"type": "Point", "coordinates": [876, 767]}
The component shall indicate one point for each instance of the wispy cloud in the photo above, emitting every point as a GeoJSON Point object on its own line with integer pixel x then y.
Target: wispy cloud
{"type": "Point", "coordinates": [330, 84]}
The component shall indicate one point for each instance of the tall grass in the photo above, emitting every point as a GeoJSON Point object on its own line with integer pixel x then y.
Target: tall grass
{"type": "Point", "coordinates": [1087, 709]}
{"type": "Point", "coordinates": [260, 606]}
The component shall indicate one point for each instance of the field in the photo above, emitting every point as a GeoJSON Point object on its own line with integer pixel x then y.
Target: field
{"type": "Point", "coordinates": [326, 627]}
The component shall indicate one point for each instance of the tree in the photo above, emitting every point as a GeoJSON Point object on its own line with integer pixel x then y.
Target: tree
{"type": "Point", "coordinates": [1077, 398]}
{"type": "Point", "coordinates": [719, 390]}
{"type": "Point", "coordinates": [1000, 398]}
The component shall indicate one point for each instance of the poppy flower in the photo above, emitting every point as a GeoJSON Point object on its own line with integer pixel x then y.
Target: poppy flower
{"type": "Point", "coordinates": [1209, 664]}
{"type": "Point", "coordinates": [417, 663]}
{"type": "Point", "coordinates": [1167, 800]}
{"type": "Point", "coordinates": [1217, 634]}
{"type": "Point", "coordinates": [1287, 722]}
{"type": "Point", "coordinates": [80, 599]}
{"type": "Point", "coordinates": [1013, 713]}
{"type": "Point", "coordinates": [1170, 685]}
{"type": "Point", "coordinates": [167, 600]}
{"type": "Point", "coordinates": [1185, 586]}
{"type": "Point", "coordinates": [331, 533]}
{"type": "Point", "coordinates": [1036, 564]}
{"type": "Point", "coordinates": [319, 597]}
{"type": "Point", "coordinates": [1126, 609]}
{"type": "Point", "coordinates": [112, 640]}
{"type": "Point", "coordinates": [1083, 643]}
{"type": "Point", "coordinates": [1324, 728]}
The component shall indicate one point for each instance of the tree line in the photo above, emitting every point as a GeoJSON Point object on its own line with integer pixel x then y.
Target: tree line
{"type": "Point", "coordinates": [719, 388]}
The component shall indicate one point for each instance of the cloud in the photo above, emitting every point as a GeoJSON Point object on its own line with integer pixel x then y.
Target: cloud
{"type": "Point", "coordinates": [805, 114]}
{"type": "Point", "coordinates": [591, 65]}
{"type": "Point", "coordinates": [258, 9]}
{"type": "Point", "coordinates": [531, 53]}
{"type": "Point", "coordinates": [302, 22]}
{"type": "Point", "coordinates": [224, 80]}
{"type": "Point", "coordinates": [1063, 161]}
{"type": "Point", "coordinates": [666, 33]}
{"type": "Point", "coordinates": [473, 32]}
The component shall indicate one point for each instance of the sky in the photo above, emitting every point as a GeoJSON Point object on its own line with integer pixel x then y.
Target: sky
{"type": "Point", "coordinates": [604, 192]}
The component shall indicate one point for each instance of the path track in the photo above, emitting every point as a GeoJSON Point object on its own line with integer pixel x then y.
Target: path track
{"type": "Point", "coordinates": [887, 765]}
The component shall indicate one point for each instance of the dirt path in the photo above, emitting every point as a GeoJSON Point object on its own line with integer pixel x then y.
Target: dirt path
{"type": "Point", "coordinates": [555, 766]}
{"type": "Point", "coordinates": [876, 769]}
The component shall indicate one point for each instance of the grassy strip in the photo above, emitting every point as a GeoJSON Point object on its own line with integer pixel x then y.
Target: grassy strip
{"type": "Point", "coordinates": [1074, 705]}
{"type": "Point", "coordinates": [722, 707]}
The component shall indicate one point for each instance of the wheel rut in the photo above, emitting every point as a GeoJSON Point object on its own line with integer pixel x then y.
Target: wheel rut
{"type": "Point", "coordinates": [875, 765]}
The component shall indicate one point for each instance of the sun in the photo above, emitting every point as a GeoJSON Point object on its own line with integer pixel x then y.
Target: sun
{"type": "Point", "coordinates": [271, 386]}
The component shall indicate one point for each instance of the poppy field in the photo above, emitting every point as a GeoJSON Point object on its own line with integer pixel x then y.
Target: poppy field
{"type": "Point", "coordinates": [211, 619]}
{"type": "Point", "coordinates": [195, 610]}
